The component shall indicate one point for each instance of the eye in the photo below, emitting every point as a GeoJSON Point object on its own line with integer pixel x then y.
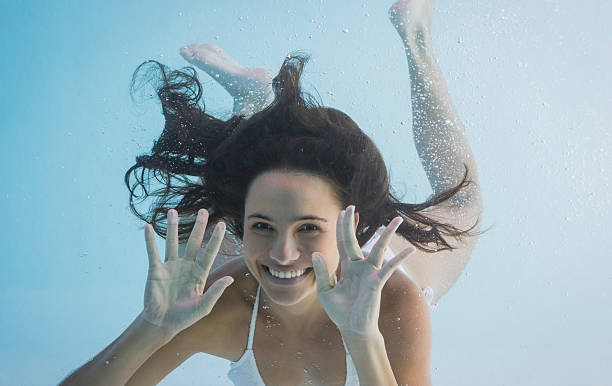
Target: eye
{"type": "Point", "coordinates": [311, 227]}
{"type": "Point", "coordinates": [261, 226]}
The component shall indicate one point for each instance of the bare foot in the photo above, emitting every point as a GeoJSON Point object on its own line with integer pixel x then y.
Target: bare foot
{"type": "Point", "coordinates": [412, 17]}
{"type": "Point", "coordinates": [250, 87]}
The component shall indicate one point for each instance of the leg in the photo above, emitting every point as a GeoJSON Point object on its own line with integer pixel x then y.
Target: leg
{"type": "Point", "coordinates": [439, 140]}
{"type": "Point", "coordinates": [440, 143]}
{"type": "Point", "coordinates": [250, 87]}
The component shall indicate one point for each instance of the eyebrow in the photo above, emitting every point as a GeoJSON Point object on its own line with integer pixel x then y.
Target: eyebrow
{"type": "Point", "coordinates": [295, 219]}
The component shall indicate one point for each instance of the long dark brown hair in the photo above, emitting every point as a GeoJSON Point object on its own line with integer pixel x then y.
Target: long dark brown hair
{"type": "Point", "coordinates": [200, 161]}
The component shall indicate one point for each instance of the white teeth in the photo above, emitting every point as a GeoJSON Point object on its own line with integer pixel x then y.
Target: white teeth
{"type": "Point", "coordinates": [287, 275]}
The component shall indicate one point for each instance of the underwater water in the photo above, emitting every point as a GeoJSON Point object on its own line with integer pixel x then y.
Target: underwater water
{"type": "Point", "coordinates": [530, 80]}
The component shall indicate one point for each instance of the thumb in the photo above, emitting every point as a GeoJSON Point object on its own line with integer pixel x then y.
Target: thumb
{"type": "Point", "coordinates": [212, 295]}
{"type": "Point", "coordinates": [321, 273]}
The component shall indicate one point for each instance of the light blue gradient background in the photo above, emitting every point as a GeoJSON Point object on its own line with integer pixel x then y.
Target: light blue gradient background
{"type": "Point", "coordinates": [530, 80]}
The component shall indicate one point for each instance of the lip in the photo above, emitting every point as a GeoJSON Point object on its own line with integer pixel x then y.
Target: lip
{"type": "Point", "coordinates": [293, 280]}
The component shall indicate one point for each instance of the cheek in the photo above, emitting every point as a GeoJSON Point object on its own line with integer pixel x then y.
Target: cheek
{"type": "Point", "coordinates": [250, 250]}
{"type": "Point", "coordinates": [253, 249]}
{"type": "Point", "coordinates": [333, 262]}
{"type": "Point", "coordinates": [330, 250]}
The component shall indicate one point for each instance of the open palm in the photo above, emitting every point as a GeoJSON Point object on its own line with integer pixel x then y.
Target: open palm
{"type": "Point", "coordinates": [353, 303]}
{"type": "Point", "coordinates": [174, 293]}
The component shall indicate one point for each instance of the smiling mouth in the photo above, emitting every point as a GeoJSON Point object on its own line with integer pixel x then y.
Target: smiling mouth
{"type": "Point", "coordinates": [287, 276]}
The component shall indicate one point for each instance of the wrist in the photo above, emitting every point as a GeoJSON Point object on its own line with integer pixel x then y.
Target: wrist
{"type": "Point", "coordinates": [152, 331]}
{"type": "Point", "coordinates": [358, 338]}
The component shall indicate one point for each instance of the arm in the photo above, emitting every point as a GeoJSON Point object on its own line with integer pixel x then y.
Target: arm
{"type": "Point", "coordinates": [178, 293]}
{"type": "Point", "coordinates": [354, 303]}
{"type": "Point", "coordinates": [370, 358]}
{"type": "Point", "coordinates": [136, 343]}
{"type": "Point", "coordinates": [400, 352]}
{"type": "Point", "coordinates": [120, 360]}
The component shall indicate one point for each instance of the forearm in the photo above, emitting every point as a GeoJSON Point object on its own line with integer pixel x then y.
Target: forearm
{"type": "Point", "coordinates": [438, 133]}
{"type": "Point", "coordinates": [116, 364]}
{"type": "Point", "coordinates": [370, 358]}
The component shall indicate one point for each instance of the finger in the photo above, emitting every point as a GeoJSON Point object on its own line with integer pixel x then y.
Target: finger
{"type": "Point", "coordinates": [321, 273]}
{"type": "Point", "coordinates": [377, 254]}
{"type": "Point", "coordinates": [390, 266]}
{"type": "Point", "coordinates": [212, 295]}
{"type": "Point", "coordinates": [344, 260]}
{"type": "Point", "coordinates": [212, 248]}
{"type": "Point", "coordinates": [351, 245]}
{"type": "Point", "coordinates": [197, 235]}
{"type": "Point", "coordinates": [172, 236]}
{"type": "Point", "coordinates": [151, 246]}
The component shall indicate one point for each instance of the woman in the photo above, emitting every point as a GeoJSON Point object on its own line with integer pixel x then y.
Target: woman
{"type": "Point", "coordinates": [307, 303]}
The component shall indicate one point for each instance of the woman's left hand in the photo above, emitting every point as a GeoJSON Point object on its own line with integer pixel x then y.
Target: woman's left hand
{"type": "Point", "coordinates": [353, 303]}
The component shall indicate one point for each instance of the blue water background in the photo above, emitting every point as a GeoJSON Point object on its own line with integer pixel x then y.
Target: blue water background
{"type": "Point", "coordinates": [529, 79]}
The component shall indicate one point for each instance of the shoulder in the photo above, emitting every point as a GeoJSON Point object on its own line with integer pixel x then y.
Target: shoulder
{"type": "Point", "coordinates": [405, 323]}
{"type": "Point", "coordinates": [402, 295]}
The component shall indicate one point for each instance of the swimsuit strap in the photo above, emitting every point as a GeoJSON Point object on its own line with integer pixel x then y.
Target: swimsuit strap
{"type": "Point", "coordinates": [253, 320]}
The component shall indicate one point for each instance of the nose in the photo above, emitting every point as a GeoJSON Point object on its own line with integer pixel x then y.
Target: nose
{"type": "Point", "coordinates": [284, 250]}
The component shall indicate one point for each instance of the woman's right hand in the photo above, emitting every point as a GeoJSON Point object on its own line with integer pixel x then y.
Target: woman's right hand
{"type": "Point", "coordinates": [174, 294]}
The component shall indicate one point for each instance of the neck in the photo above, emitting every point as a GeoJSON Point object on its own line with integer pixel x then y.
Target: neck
{"type": "Point", "coordinates": [307, 315]}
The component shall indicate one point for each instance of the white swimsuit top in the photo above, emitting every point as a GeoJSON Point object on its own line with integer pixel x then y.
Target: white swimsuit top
{"type": "Point", "coordinates": [244, 372]}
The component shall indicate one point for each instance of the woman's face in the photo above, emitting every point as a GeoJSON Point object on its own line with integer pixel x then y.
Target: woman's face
{"type": "Point", "coordinates": [288, 216]}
